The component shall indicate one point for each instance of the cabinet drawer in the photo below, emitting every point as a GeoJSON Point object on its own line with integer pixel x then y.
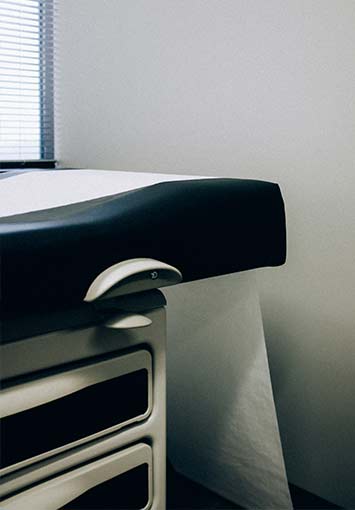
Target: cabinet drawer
{"type": "Point", "coordinates": [120, 481]}
{"type": "Point", "coordinates": [48, 415]}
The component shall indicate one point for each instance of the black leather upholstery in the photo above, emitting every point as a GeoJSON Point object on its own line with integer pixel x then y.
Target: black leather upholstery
{"type": "Point", "coordinates": [204, 227]}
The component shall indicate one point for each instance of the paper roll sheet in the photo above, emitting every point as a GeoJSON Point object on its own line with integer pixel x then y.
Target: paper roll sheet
{"type": "Point", "coordinates": [222, 424]}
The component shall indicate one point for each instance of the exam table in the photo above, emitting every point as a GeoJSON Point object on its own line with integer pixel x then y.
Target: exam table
{"type": "Point", "coordinates": [83, 255]}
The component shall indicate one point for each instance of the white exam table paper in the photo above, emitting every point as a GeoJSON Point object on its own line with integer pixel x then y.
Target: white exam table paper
{"type": "Point", "coordinates": [222, 424]}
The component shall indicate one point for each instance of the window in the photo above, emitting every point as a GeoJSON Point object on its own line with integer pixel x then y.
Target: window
{"type": "Point", "coordinates": [26, 81]}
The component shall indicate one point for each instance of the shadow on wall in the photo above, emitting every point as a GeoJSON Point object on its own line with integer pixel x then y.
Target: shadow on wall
{"type": "Point", "coordinates": [322, 364]}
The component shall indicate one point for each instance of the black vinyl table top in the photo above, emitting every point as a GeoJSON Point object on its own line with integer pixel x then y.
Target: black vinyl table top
{"type": "Point", "coordinates": [204, 227]}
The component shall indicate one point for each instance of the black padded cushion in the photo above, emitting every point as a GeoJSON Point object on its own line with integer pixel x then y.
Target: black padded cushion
{"type": "Point", "coordinates": [204, 227]}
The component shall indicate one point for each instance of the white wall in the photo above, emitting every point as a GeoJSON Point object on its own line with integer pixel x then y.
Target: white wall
{"type": "Point", "coordinates": [243, 88]}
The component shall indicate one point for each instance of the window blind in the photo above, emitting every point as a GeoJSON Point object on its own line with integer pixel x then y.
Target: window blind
{"type": "Point", "coordinates": [26, 80]}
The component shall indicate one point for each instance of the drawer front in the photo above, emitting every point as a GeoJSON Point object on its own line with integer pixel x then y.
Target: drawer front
{"type": "Point", "coordinates": [120, 481]}
{"type": "Point", "coordinates": [48, 415]}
